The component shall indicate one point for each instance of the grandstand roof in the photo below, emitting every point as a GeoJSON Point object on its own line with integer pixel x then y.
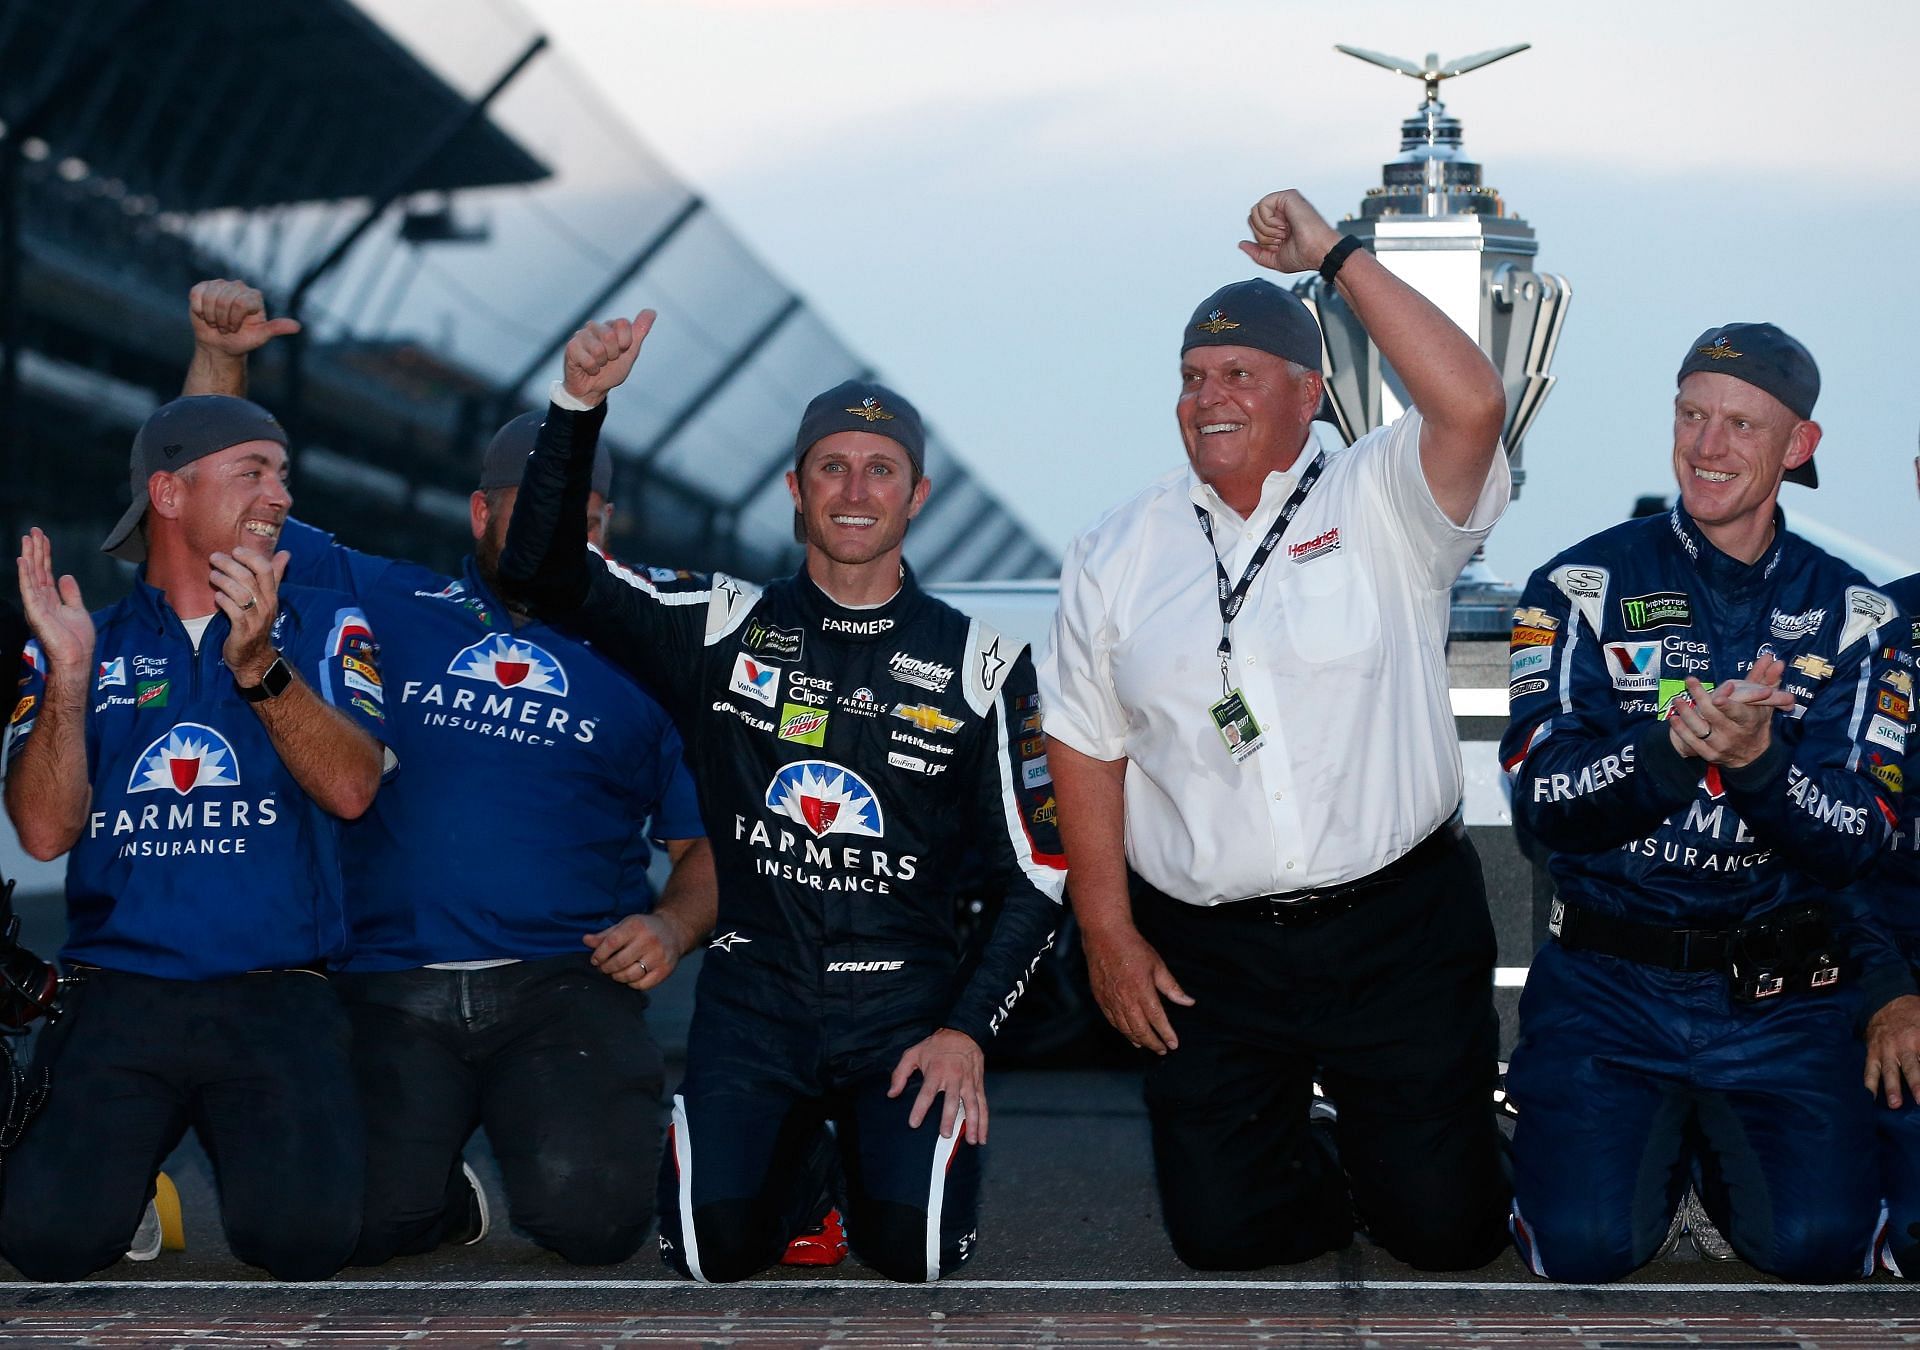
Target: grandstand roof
{"type": "Point", "coordinates": [201, 106]}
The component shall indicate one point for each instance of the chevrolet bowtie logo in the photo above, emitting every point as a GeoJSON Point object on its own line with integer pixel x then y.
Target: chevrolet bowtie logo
{"type": "Point", "coordinates": [1719, 351]}
{"type": "Point", "coordinates": [1216, 322]}
{"type": "Point", "coordinates": [926, 717]}
{"type": "Point", "coordinates": [870, 410]}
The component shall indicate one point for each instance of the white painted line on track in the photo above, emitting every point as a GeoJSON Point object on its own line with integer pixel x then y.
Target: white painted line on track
{"type": "Point", "coordinates": [1532, 1288]}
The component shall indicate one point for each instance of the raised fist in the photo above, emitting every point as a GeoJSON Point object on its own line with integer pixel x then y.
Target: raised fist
{"type": "Point", "coordinates": [1288, 234]}
{"type": "Point", "coordinates": [599, 356]}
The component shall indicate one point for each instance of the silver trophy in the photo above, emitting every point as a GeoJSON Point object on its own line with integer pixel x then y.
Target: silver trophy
{"type": "Point", "coordinates": [1433, 223]}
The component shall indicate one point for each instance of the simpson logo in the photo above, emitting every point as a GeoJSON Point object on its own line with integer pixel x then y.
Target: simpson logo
{"type": "Point", "coordinates": [773, 643]}
{"type": "Point", "coordinates": [1787, 627]}
{"type": "Point", "coordinates": [511, 664]}
{"type": "Point", "coordinates": [807, 726]}
{"type": "Point", "coordinates": [761, 683]}
{"type": "Point", "coordinates": [1317, 547]}
{"type": "Point", "coordinates": [925, 674]}
{"type": "Point", "coordinates": [112, 672]}
{"type": "Point", "coordinates": [1866, 611]}
{"type": "Point", "coordinates": [827, 798]}
{"type": "Point", "coordinates": [927, 717]}
{"type": "Point", "coordinates": [1633, 666]}
{"type": "Point", "coordinates": [1658, 609]}
{"type": "Point", "coordinates": [188, 757]}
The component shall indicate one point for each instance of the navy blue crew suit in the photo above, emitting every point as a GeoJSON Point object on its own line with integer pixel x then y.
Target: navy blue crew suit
{"type": "Point", "coordinates": [1632, 1080]}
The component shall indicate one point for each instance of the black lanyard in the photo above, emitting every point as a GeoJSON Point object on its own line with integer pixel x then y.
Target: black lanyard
{"type": "Point", "coordinates": [1233, 597]}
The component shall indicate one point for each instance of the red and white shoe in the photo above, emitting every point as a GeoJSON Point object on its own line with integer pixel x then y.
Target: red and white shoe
{"type": "Point", "coordinates": [825, 1244]}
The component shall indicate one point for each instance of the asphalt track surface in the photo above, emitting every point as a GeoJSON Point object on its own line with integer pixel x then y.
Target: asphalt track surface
{"type": "Point", "coordinates": [1072, 1253]}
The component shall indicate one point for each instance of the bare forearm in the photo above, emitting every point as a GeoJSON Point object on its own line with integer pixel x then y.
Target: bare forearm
{"type": "Point", "coordinates": [216, 373]}
{"type": "Point", "coordinates": [1092, 803]}
{"type": "Point", "coordinates": [334, 761]}
{"type": "Point", "coordinates": [47, 789]}
{"type": "Point", "coordinates": [690, 900]}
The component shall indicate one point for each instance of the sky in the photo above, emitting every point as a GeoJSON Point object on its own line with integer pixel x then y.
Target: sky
{"type": "Point", "coordinates": [1011, 206]}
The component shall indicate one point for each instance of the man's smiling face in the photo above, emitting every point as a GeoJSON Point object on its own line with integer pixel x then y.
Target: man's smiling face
{"type": "Point", "coordinates": [1243, 413]}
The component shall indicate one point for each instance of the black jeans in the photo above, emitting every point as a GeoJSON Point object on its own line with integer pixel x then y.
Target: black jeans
{"type": "Point", "coordinates": [553, 1057]}
{"type": "Point", "coordinates": [1391, 1004]}
{"type": "Point", "coordinates": [256, 1064]}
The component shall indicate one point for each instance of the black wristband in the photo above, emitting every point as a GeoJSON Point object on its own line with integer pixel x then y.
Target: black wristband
{"type": "Point", "coordinates": [1336, 258]}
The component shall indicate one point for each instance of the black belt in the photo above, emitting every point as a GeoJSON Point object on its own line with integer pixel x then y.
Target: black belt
{"type": "Point", "coordinates": [1290, 908]}
{"type": "Point", "coordinates": [1694, 950]}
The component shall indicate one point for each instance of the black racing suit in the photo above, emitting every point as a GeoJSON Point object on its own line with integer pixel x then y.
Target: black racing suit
{"type": "Point", "coordinates": [847, 761]}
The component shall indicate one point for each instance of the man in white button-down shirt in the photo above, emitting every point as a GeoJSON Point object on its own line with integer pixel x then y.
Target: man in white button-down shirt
{"type": "Point", "coordinates": [1250, 736]}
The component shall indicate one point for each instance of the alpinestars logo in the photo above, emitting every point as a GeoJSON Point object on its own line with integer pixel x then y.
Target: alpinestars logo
{"type": "Point", "coordinates": [826, 798]}
{"type": "Point", "coordinates": [511, 664]}
{"type": "Point", "coordinates": [189, 756]}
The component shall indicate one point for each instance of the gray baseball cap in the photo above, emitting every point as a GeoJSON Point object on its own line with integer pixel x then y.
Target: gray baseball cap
{"type": "Point", "coordinates": [175, 435]}
{"type": "Point", "coordinates": [506, 457]}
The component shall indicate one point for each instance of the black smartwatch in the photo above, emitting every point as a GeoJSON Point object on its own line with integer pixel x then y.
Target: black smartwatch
{"type": "Point", "coordinates": [1336, 258]}
{"type": "Point", "coordinates": [275, 682]}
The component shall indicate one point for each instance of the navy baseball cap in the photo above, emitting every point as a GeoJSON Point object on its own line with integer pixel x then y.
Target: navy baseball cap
{"type": "Point", "coordinates": [171, 438]}
{"type": "Point", "coordinates": [862, 405]}
{"type": "Point", "coordinates": [1768, 359]}
{"type": "Point", "coordinates": [1256, 314]}
{"type": "Point", "coordinates": [506, 457]}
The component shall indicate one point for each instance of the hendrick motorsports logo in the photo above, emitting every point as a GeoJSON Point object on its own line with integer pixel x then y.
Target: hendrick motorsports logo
{"type": "Point", "coordinates": [826, 798]}
{"type": "Point", "coordinates": [511, 664]}
{"type": "Point", "coordinates": [189, 756]}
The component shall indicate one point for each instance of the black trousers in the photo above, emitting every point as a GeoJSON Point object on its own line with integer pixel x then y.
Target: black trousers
{"type": "Point", "coordinates": [1391, 1005]}
{"type": "Point", "coordinates": [257, 1065]}
{"type": "Point", "coordinates": [553, 1057]}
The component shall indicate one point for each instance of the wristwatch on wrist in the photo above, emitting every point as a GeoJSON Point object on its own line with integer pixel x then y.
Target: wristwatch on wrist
{"type": "Point", "coordinates": [1337, 256]}
{"type": "Point", "coordinates": [276, 681]}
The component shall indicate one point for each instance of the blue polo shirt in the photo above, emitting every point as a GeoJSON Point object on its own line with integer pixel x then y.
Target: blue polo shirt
{"type": "Point", "coordinates": [532, 768]}
{"type": "Point", "coordinates": [201, 856]}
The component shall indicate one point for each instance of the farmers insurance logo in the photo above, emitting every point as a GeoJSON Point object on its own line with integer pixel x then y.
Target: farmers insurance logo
{"type": "Point", "coordinates": [826, 798]}
{"type": "Point", "coordinates": [189, 756]}
{"type": "Point", "coordinates": [511, 664]}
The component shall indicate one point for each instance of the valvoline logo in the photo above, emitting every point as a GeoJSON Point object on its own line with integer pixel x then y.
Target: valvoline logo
{"type": "Point", "coordinates": [827, 798]}
{"type": "Point", "coordinates": [189, 756]}
{"type": "Point", "coordinates": [511, 664]}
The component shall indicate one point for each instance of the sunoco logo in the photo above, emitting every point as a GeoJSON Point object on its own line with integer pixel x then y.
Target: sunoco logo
{"type": "Point", "coordinates": [925, 674]}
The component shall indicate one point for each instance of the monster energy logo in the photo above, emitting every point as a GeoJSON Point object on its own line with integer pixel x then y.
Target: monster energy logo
{"type": "Point", "coordinates": [1659, 610]}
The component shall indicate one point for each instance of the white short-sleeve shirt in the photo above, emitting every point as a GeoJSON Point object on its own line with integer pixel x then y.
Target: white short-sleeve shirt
{"type": "Point", "coordinates": [1339, 652]}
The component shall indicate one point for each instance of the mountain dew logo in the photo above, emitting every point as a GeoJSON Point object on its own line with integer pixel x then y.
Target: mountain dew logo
{"type": "Point", "coordinates": [1672, 689]}
{"type": "Point", "coordinates": [189, 756]}
{"type": "Point", "coordinates": [511, 664]}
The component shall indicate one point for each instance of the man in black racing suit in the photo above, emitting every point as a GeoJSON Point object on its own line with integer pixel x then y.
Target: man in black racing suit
{"type": "Point", "coordinates": [851, 738]}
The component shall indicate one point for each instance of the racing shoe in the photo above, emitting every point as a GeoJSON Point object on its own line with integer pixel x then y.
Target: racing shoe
{"type": "Point", "coordinates": [466, 1216]}
{"type": "Point", "coordinates": [1676, 1230]}
{"type": "Point", "coordinates": [1709, 1241]}
{"type": "Point", "coordinates": [160, 1227]}
{"type": "Point", "coordinates": [822, 1244]}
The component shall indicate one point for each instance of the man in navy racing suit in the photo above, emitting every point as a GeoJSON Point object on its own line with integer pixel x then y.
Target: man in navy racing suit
{"type": "Point", "coordinates": [851, 738]}
{"type": "Point", "coordinates": [1703, 735]}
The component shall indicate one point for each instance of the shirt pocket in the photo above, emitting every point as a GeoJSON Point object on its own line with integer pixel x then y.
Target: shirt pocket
{"type": "Point", "coordinates": [1331, 610]}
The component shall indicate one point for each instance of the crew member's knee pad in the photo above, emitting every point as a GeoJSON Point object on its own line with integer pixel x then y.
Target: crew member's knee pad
{"type": "Point", "coordinates": [892, 1239]}
{"type": "Point", "coordinates": [1585, 1244]}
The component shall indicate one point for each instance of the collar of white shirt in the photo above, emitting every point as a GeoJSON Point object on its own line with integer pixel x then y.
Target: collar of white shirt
{"type": "Point", "coordinates": [1229, 523]}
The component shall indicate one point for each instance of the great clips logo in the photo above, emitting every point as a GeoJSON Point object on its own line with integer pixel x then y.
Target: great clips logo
{"type": "Point", "coordinates": [511, 664]}
{"type": "Point", "coordinates": [826, 798]}
{"type": "Point", "coordinates": [189, 756]}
